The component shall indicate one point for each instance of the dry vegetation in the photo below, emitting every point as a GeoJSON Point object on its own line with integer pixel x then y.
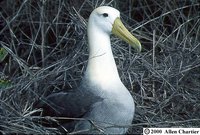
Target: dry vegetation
{"type": "Point", "coordinates": [47, 52]}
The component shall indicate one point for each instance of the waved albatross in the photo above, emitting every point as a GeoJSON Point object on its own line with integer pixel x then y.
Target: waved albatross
{"type": "Point", "coordinates": [101, 101]}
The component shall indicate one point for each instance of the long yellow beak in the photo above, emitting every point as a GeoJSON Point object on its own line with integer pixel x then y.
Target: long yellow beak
{"type": "Point", "coordinates": [120, 30]}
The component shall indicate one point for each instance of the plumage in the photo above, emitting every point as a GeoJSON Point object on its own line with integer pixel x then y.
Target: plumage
{"type": "Point", "coordinates": [101, 98]}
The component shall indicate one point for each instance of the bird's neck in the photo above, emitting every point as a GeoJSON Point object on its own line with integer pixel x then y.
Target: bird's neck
{"type": "Point", "coordinates": [101, 68]}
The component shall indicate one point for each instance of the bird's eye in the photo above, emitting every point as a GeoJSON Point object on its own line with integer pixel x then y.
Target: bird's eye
{"type": "Point", "coordinates": [105, 14]}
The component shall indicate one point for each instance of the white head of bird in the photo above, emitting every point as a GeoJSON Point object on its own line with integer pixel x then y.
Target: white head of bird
{"type": "Point", "coordinates": [102, 22]}
{"type": "Point", "coordinates": [103, 18]}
